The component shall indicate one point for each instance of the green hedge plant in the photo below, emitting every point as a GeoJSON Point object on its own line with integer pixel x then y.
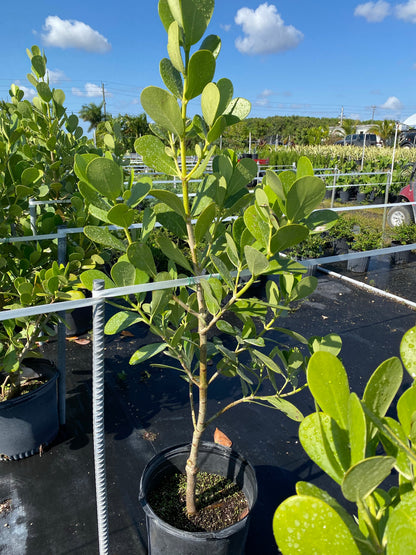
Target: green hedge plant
{"type": "Point", "coordinates": [358, 444]}
{"type": "Point", "coordinates": [232, 237]}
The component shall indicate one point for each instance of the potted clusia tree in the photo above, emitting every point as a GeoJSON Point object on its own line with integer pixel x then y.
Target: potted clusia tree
{"type": "Point", "coordinates": [222, 239]}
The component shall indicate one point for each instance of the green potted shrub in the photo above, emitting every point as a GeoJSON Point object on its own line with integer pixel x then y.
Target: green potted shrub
{"type": "Point", "coordinates": [232, 238]}
{"type": "Point", "coordinates": [365, 238]}
{"type": "Point", "coordinates": [404, 234]}
{"type": "Point", "coordinates": [37, 146]}
{"type": "Point", "coordinates": [357, 445]}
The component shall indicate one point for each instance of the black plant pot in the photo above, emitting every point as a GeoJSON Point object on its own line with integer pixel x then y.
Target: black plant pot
{"type": "Point", "coordinates": [164, 538]}
{"type": "Point", "coordinates": [30, 421]}
{"type": "Point", "coordinates": [358, 265]}
{"type": "Point", "coordinates": [361, 197]}
{"type": "Point", "coordinates": [401, 257]}
{"type": "Point", "coordinates": [344, 196]}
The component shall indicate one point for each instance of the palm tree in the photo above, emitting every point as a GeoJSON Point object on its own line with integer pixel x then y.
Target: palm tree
{"type": "Point", "coordinates": [385, 129]}
{"type": "Point", "coordinates": [93, 114]}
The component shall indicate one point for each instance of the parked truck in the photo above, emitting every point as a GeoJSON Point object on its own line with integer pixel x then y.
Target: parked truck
{"type": "Point", "coordinates": [404, 213]}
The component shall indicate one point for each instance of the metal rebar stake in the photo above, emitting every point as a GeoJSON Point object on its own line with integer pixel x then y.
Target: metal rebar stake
{"type": "Point", "coordinates": [62, 238]}
{"type": "Point", "coordinates": [98, 420]}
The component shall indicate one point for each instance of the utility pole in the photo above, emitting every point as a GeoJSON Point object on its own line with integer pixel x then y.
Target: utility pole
{"type": "Point", "coordinates": [104, 107]}
{"type": "Point", "coordinates": [342, 116]}
{"type": "Point", "coordinates": [374, 109]}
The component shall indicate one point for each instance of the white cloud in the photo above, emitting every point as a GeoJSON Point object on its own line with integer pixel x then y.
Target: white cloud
{"type": "Point", "coordinates": [91, 91]}
{"type": "Point", "coordinates": [69, 33]}
{"type": "Point", "coordinates": [56, 76]}
{"type": "Point", "coordinates": [407, 11]}
{"type": "Point", "coordinates": [373, 12]}
{"type": "Point", "coordinates": [265, 31]}
{"type": "Point", "coordinates": [225, 27]}
{"type": "Point", "coordinates": [392, 103]}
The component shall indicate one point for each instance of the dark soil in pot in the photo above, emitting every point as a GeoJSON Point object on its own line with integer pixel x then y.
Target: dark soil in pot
{"type": "Point", "coordinates": [220, 502]}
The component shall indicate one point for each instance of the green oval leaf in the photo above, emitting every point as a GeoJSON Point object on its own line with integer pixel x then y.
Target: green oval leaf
{"type": "Point", "coordinates": [141, 257]}
{"type": "Point", "coordinates": [303, 525]}
{"type": "Point", "coordinates": [303, 197]}
{"type": "Point", "coordinates": [174, 49]}
{"type": "Point", "coordinates": [163, 108]}
{"type": "Point", "coordinates": [106, 177]}
{"type": "Point", "coordinates": [120, 321]}
{"type": "Point", "coordinates": [256, 261]}
{"type": "Point", "coordinates": [328, 382]}
{"type": "Point", "coordinates": [201, 69]}
{"type": "Point", "coordinates": [171, 77]}
{"type": "Point", "coordinates": [170, 199]}
{"type": "Point", "coordinates": [408, 351]}
{"type": "Point", "coordinates": [123, 273]}
{"type": "Point", "coordinates": [365, 476]}
{"type": "Point", "coordinates": [211, 43]}
{"type": "Point", "coordinates": [204, 222]}
{"type": "Point", "coordinates": [210, 101]}
{"type": "Point", "coordinates": [146, 352]}
{"type": "Point", "coordinates": [121, 215]}
{"type": "Point", "coordinates": [326, 444]}
{"type": "Point", "coordinates": [401, 526]}
{"type": "Point", "coordinates": [406, 411]}
{"type": "Point", "coordinates": [170, 250]}
{"type": "Point", "coordinates": [87, 279]}
{"type": "Point", "coordinates": [154, 154]}
{"type": "Point", "coordinates": [44, 91]}
{"type": "Point", "coordinates": [357, 429]}
{"type": "Point", "coordinates": [103, 236]}
{"type": "Point", "coordinates": [193, 17]}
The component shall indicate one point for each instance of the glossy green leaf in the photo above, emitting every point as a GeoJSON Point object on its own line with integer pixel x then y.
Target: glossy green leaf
{"type": "Point", "coordinates": [408, 351]}
{"type": "Point", "coordinates": [103, 236]}
{"type": "Point", "coordinates": [44, 91]}
{"type": "Point", "coordinates": [139, 191]}
{"type": "Point", "coordinates": [161, 297]}
{"type": "Point", "coordinates": [273, 181]}
{"type": "Point", "coordinates": [146, 352]}
{"type": "Point", "coordinates": [303, 525]}
{"type": "Point", "coordinates": [210, 299]}
{"type": "Point", "coordinates": [211, 43]}
{"type": "Point", "coordinates": [326, 444]}
{"type": "Point", "coordinates": [87, 279]}
{"type": "Point", "coordinates": [382, 387]}
{"type": "Point", "coordinates": [305, 287]}
{"type": "Point", "coordinates": [403, 463]}
{"type": "Point", "coordinates": [237, 110]}
{"type": "Point", "coordinates": [406, 411]}
{"type": "Point", "coordinates": [170, 199]}
{"type": "Point", "coordinates": [210, 100]}
{"type": "Point", "coordinates": [38, 64]}
{"type": "Point", "coordinates": [141, 257]}
{"type": "Point", "coordinates": [328, 382]}
{"type": "Point", "coordinates": [163, 109]}
{"type": "Point", "coordinates": [172, 252]}
{"type": "Point", "coordinates": [81, 162]}
{"type": "Point", "coordinates": [289, 409]}
{"type": "Point", "coordinates": [123, 274]}
{"type": "Point", "coordinates": [171, 77]}
{"type": "Point", "coordinates": [193, 16]}
{"type": "Point", "coordinates": [321, 220]}
{"type": "Point", "coordinates": [357, 429]}
{"type": "Point", "coordinates": [401, 526]}
{"type": "Point", "coordinates": [217, 129]}
{"type": "Point", "coordinates": [330, 343]}
{"type": "Point", "coordinates": [204, 222]}
{"type": "Point", "coordinates": [256, 261]}
{"type": "Point", "coordinates": [201, 70]}
{"type": "Point", "coordinates": [154, 154]}
{"type": "Point", "coordinates": [121, 215]}
{"type": "Point", "coordinates": [223, 271]}
{"type": "Point", "coordinates": [258, 228]}
{"type": "Point", "coordinates": [288, 236]}
{"type": "Point", "coordinates": [165, 14]}
{"type": "Point", "coordinates": [106, 177]}
{"type": "Point", "coordinates": [304, 167]}
{"type": "Point", "coordinates": [174, 50]}
{"type": "Point", "coordinates": [30, 176]}
{"type": "Point", "coordinates": [365, 476]}
{"type": "Point", "coordinates": [58, 96]}
{"type": "Point", "coordinates": [306, 488]}
{"type": "Point", "coordinates": [243, 174]}
{"type": "Point", "coordinates": [121, 321]}
{"type": "Point", "coordinates": [303, 197]}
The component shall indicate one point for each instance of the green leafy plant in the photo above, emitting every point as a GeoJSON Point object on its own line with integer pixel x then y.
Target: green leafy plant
{"type": "Point", "coordinates": [404, 234]}
{"type": "Point", "coordinates": [232, 237]}
{"type": "Point", "coordinates": [358, 446]}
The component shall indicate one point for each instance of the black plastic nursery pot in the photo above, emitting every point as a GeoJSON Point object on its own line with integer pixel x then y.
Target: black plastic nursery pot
{"type": "Point", "coordinates": [164, 538]}
{"type": "Point", "coordinates": [358, 265]}
{"type": "Point", "coordinates": [400, 257]}
{"type": "Point", "coordinates": [30, 421]}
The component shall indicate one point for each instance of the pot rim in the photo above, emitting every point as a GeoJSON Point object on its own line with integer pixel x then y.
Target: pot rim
{"type": "Point", "coordinates": [224, 532]}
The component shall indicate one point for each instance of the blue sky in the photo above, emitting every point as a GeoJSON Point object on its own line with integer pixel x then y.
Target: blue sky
{"type": "Point", "coordinates": [287, 57]}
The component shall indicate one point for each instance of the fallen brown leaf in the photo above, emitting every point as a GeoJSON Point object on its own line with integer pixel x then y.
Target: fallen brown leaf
{"type": "Point", "coordinates": [221, 438]}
